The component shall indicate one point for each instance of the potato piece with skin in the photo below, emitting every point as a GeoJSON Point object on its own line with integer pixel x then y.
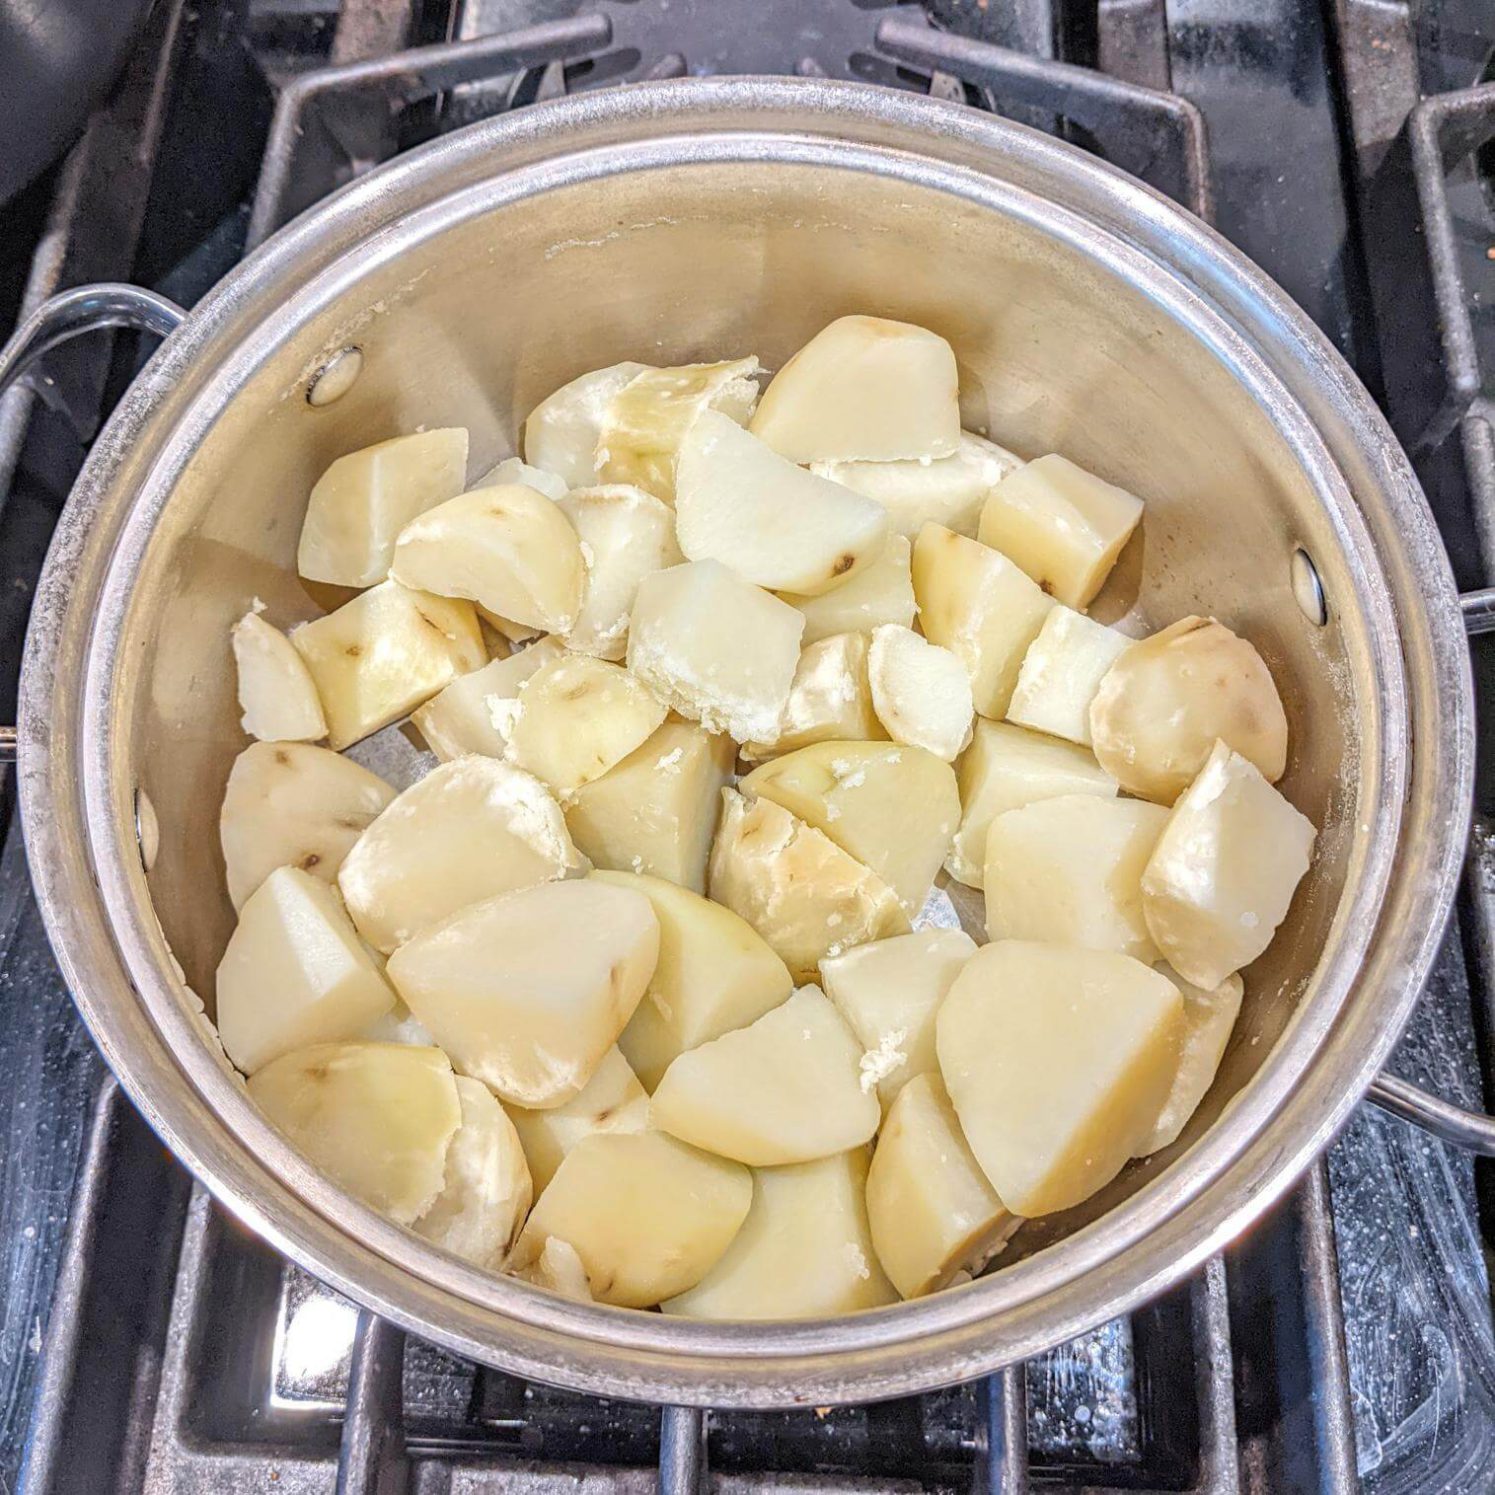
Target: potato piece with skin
{"type": "Point", "coordinates": [933, 1216]}
{"type": "Point", "coordinates": [649, 1044]}
{"type": "Point", "coordinates": [290, 804]}
{"type": "Point", "coordinates": [715, 648]}
{"type": "Point", "coordinates": [830, 700]}
{"type": "Point", "coordinates": [561, 433]}
{"type": "Point", "coordinates": [469, 830]}
{"type": "Point", "coordinates": [804, 1250]}
{"type": "Point", "coordinates": [295, 973]}
{"type": "Point", "coordinates": [474, 713]}
{"type": "Point", "coordinates": [785, 1089]}
{"type": "Point", "coordinates": [1209, 1020]}
{"type": "Point", "coordinates": [882, 591]}
{"type": "Point", "coordinates": [1005, 768]}
{"type": "Point", "coordinates": [737, 501]}
{"type": "Point", "coordinates": [276, 692]}
{"type": "Point", "coordinates": [1057, 1062]}
{"type": "Point", "coordinates": [1169, 698]}
{"type": "Point", "coordinates": [864, 389]}
{"type": "Point", "coordinates": [656, 811]}
{"type": "Point", "coordinates": [529, 991]}
{"type": "Point", "coordinates": [1061, 673]}
{"type": "Point", "coordinates": [889, 993]}
{"type": "Point", "coordinates": [362, 502]}
{"type": "Point", "coordinates": [798, 889]}
{"type": "Point", "coordinates": [977, 604]}
{"type": "Point", "coordinates": [1069, 870]}
{"type": "Point", "coordinates": [1064, 526]}
{"type": "Point", "coordinates": [647, 1216]}
{"type": "Point", "coordinates": [1224, 870]}
{"type": "Point", "coordinates": [921, 692]}
{"type": "Point", "coordinates": [516, 470]}
{"type": "Point", "coordinates": [377, 1118]}
{"type": "Point", "coordinates": [558, 1269]}
{"type": "Point", "coordinates": [383, 654]}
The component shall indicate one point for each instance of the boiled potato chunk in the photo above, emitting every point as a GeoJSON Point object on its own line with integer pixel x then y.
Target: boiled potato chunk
{"type": "Point", "coordinates": [1061, 674]}
{"type": "Point", "coordinates": [649, 1045]}
{"type": "Point", "coordinates": [892, 807]}
{"type": "Point", "coordinates": [381, 655]}
{"type": "Point", "coordinates": [528, 991]}
{"type": "Point", "coordinates": [1064, 526]}
{"type": "Point", "coordinates": [276, 692]}
{"type": "Point", "coordinates": [882, 591]}
{"type": "Point", "coordinates": [561, 433]}
{"type": "Point", "coordinates": [656, 811]}
{"type": "Point", "coordinates": [830, 700]}
{"type": "Point", "coordinates": [921, 692]}
{"type": "Point", "coordinates": [1170, 698]}
{"type": "Point", "coordinates": [863, 389]}
{"type": "Point", "coordinates": [1057, 1062]}
{"type": "Point", "coordinates": [509, 549]}
{"type": "Point", "coordinates": [737, 501]}
{"type": "Point", "coordinates": [469, 830]}
{"type": "Point", "coordinates": [362, 502]}
{"type": "Point", "coordinates": [288, 804]}
{"type": "Point", "coordinates": [474, 713]}
{"type": "Point", "coordinates": [1209, 1020]}
{"type": "Point", "coordinates": [625, 534]}
{"type": "Point", "coordinates": [785, 1089]}
{"type": "Point", "coordinates": [577, 718]}
{"type": "Point", "coordinates": [377, 1118]}
{"type": "Point", "coordinates": [1224, 870]}
{"type": "Point", "coordinates": [516, 470]}
{"type": "Point", "coordinates": [558, 1269]}
{"type": "Point", "coordinates": [1069, 870]}
{"type": "Point", "coordinates": [977, 604]}
{"type": "Point", "coordinates": [295, 973]}
{"type": "Point", "coordinates": [611, 1101]}
{"type": "Point", "coordinates": [715, 648]}
{"type": "Point", "coordinates": [1005, 768]}
{"type": "Point", "coordinates": [934, 1217]}
{"type": "Point", "coordinates": [804, 1250]}
{"type": "Point", "coordinates": [647, 1215]}
{"type": "Point", "coordinates": [487, 1190]}
{"type": "Point", "coordinates": [889, 993]}
{"type": "Point", "coordinates": [798, 889]}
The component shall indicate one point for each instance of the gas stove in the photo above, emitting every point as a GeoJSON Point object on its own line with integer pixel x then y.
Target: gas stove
{"type": "Point", "coordinates": [147, 1342]}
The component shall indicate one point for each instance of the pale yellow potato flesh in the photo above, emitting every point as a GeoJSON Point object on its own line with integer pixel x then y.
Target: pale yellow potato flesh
{"type": "Point", "coordinates": [785, 1089]}
{"type": "Point", "coordinates": [647, 1216]}
{"type": "Point", "coordinates": [920, 692]}
{"type": "Point", "coordinates": [376, 1118]}
{"type": "Point", "coordinates": [976, 603]}
{"type": "Point", "coordinates": [830, 700]}
{"type": "Point", "coordinates": [558, 1269]}
{"type": "Point", "coordinates": [1169, 698]}
{"type": "Point", "coordinates": [933, 1216]}
{"type": "Point", "coordinates": [361, 503]}
{"type": "Point", "coordinates": [863, 389]}
{"type": "Point", "coordinates": [1061, 674]}
{"type": "Point", "coordinates": [295, 973]}
{"type": "Point", "coordinates": [1069, 870]}
{"type": "Point", "coordinates": [1209, 1020]}
{"type": "Point", "coordinates": [277, 695]}
{"type": "Point", "coordinates": [649, 1044]}
{"type": "Point", "coordinates": [1224, 870]}
{"type": "Point", "coordinates": [469, 830]}
{"type": "Point", "coordinates": [1057, 1062]}
{"type": "Point", "coordinates": [882, 591]}
{"type": "Point", "coordinates": [804, 1250]}
{"type": "Point", "coordinates": [384, 653]}
{"type": "Point", "coordinates": [528, 991]}
{"type": "Point", "coordinates": [561, 433]}
{"type": "Point", "coordinates": [474, 713]}
{"type": "Point", "coordinates": [517, 470]}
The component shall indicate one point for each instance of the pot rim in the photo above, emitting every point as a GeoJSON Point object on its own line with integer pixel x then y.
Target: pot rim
{"type": "Point", "coordinates": [84, 865]}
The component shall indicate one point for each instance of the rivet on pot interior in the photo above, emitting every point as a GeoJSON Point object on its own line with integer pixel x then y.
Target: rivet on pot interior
{"type": "Point", "coordinates": [1308, 589]}
{"type": "Point", "coordinates": [147, 829]}
{"type": "Point", "coordinates": [335, 378]}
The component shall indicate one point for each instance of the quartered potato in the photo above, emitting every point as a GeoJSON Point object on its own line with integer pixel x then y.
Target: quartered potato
{"type": "Point", "coordinates": [715, 648]}
{"type": "Point", "coordinates": [737, 501]}
{"type": "Point", "coordinates": [785, 1089]}
{"type": "Point", "coordinates": [649, 1045]}
{"type": "Point", "coordinates": [516, 470]}
{"type": "Point", "coordinates": [377, 1118]}
{"type": "Point", "coordinates": [527, 992]}
{"type": "Point", "coordinates": [469, 830]}
{"type": "Point", "coordinates": [1061, 674]}
{"type": "Point", "coordinates": [804, 1250]}
{"type": "Point", "coordinates": [1069, 870]}
{"type": "Point", "coordinates": [647, 1216]}
{"type": "Point", "coordinates": [474, 713]}
{"type": "Point", "coordinates": [934, 1217]}
{"type": "Point", "coordinates": [1168, 699]}
{"type": "Point", "coordinates": [1064, 526]}
{"type": "Point", "coordinates": [561, 433]}
{"type": "Point", "coordinates": [1209, 1020]}
{"type": "Point", "coordinates": [295, 973]}
{"type": "Point", "coordinates": [830, 700]}
{"type": "Point", "coordinates": [558, 1269]}
{"type": "Point", "coordinates": [863, 389]}
{"type": "Point", "coordinates": [362, 502]}
{"type": "Point", "coordinates": [276, 692]}
{"type": "Point", "coordinates": [1057, 1062]}
{"type": "Point", "coordinates": [921, 692]}
{"type": "Point", "coordinates": [1224, 870]}
{"type": "Point", "coordinates": [291, 805]}
{"type": "Point", "coordinates": [977, 604]}
{"type": "Point", "coordinates": [381, 655]}
{"type": "Point", "coordinates": [798, 889]}
{"type": "Point", "coordinates": [656, 811]}
{"type": "Point", "coordinates": [882, 591]}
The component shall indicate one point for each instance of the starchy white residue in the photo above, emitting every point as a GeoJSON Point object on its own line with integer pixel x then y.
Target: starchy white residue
{"type": "Point", "coordinates": [877, 1064]}
{"type": "Point", "coordinates": [856, 1259]}
{"type": "Point", "coordinates": [670, 761]}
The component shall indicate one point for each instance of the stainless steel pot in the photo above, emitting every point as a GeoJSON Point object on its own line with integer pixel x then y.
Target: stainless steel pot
{"type": "Point", "coordinates": [681, 220]}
